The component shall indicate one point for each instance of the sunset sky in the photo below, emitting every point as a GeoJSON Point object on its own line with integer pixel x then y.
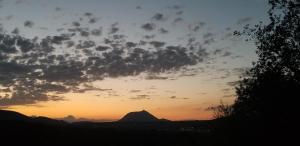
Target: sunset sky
{"type": "Point", "coordinates": [208, 59]}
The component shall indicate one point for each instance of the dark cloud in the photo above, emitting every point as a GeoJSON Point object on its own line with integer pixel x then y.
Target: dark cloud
{"type": "Point", "coordinates": [58, 9]}
{"type": "Point", "coordinates": [226, 53]}
{"type": "Point", "coordinates": [148, 26]}
{"type": "Point", "coordinates": [102, 48]}
{"type": "Point", "coordinates": [131, 44]}
{"type": "Point", "coordinates": [156, 77]}
{"type": "Point", "coordinates": [138, 7]}
{"type": "Point", "coordinates": [135, 91]}
{"type": "Point", "coordinates": [93, 20]}
{"type": "Point", "coordinates": [15, 31]}
{"type": "Point", "coordinates": [207, 35]}
{"type": "Point", "coordinates": [86, 44]}
{"type": "Point", "coordinates": [159, 17]}
{"type": "Point", "coordinates": [175, 7]}
{"type": "Point", "coordinates": [70, 44]}
{"type": "Point", "coordinates": [87, 88]}
{"type": "Point", "coordinates": [163, 31]}
{"type": "Point", "coordinates": [60, 29]}
{"type": "Point", "coordinates": [28, 23]}
{"type": "Point", "coordinates": [149, 36]}
{"type": "Point", "coordinates": [157, 44]}
{"type": "Point", "coordinates": [76, 24]}
{"type": "Point", "coordinates": [179, 13]}
{"type": "Point", "coordinates": [217, 51]}
{"type": "Point", "coordinates": [59, 39]}
{"type": "Point", "coordinates": [84, 33]}
{"type": "Point", "coordinates": [177, 20]}
{"type": "Point", "coordinates": [196, 27]}
{"type": "Point", "coordinates": [141, 97]}
{"type": "Point", "coordinates": [88, 14]}
{"type": "Point", "coordinates": [96, 32]}
{"type": "Point", "coordinates": [209, 41]}
{"type": "Point", "coordinates": [114, 28]}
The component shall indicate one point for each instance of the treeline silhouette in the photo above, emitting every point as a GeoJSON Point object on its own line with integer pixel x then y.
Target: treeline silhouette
{"type": "Point", "coordinates": [265, 111]}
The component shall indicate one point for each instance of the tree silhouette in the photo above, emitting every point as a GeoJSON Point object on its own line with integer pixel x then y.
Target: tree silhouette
{"type": "Point", "coordinates": [266, 105]}
{"type": "Point", "coordinates": [271, 87]}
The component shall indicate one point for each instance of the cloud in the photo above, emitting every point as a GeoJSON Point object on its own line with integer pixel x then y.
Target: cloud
{"type": "Point", "coordinates": [135, 91]}
{"type": "Point", "coordinates": [149, 36]}
{"type": "Point", "coordinates": [44, 68]}
{"type": "Point", "coordinates": [58, 9]}
{"type": "Point", "coordinates": [28, 23]}
{"type": "Point", "coordinates": [159, 17]}
{"type": "Point", "coordinates": [88, 14]}
{"type": "Point", "coordinates": [175, 7]}
{"type": "Point", "coordinates": [196, 26]}
{"type": "Point", "coordinates": [93, 20]}
{"type": "Point", "coordinates": [15, 31]}
{"type": "Point", "coordinates": [148, 26]}
{"type": "Point", "coordinates": [102, 48]}
{"type": "Point", "coordinates": [97, 32]}
{"type": "Point", "coordinates": [179, 12]}
{"type": "Point", "coordinates": [226, 53]}
{"type": "Point", "coordinates": [86, 44]}
{"type": "Point", "coordinates": [156, 77]}
{"type": "Point", "coordinates": [163, 31]}
{"type": "Point", "coordinates": [157, 44]}
{"type": "Point", "coordinates": [177, 20]}
{"type": "Point", "coordinates": [114, 28]}
{"type": "Point", "coordinates": [141, 97]}
{"type": "Point", "coordinates": [76, 24]}
{"type": "Point", "coordinates": [138, 7]}
{"type": "Point", "coordinates": [207, 35]}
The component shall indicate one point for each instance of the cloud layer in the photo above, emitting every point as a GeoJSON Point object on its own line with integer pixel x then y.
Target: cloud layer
{"type": "Point", "coordinates": [42, 69]}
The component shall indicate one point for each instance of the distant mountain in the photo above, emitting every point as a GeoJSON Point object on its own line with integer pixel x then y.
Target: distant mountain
{"type": "Point", "coordinates": [69, 118]}
{"type": "Point", "coordinates": [139, 116]}
{"type": "Point", "coordinates": [6, 115]}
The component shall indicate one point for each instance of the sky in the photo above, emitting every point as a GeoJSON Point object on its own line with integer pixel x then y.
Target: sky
{"type": "Point", "coordinates": [100, 59]}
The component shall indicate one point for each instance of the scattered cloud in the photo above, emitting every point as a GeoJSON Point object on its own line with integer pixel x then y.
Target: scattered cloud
{"type": "Point", "coordinates": [159, 17]}
{"type": "Point", "coordinates": [135, 91]}
{"type": "Point", "coordinates": [148, 26]}
{"type": "Point", "coordinates": [44, 68]}
{"type": "Point", "coordinates": [28, 23]}
{"type": "Point", "coordinates": [141, 97]}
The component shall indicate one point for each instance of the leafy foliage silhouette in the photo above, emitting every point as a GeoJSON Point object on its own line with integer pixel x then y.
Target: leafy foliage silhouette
{"type": "Point", "coordinates": [266, 105]}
